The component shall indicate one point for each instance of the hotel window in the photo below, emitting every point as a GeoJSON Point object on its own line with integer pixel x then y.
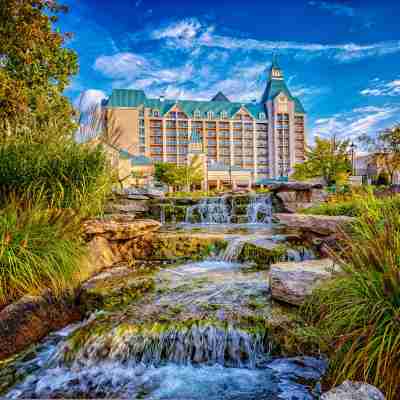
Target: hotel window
{"type": "Point", "coordinates": [261, 115]}
{"type": "Point", "coordinates": [210, 115]}
{"type": "Point", "coordinates": [224, 115]}
{"type": "Point", "coordinates": [156, 113]}
{"type": "Point", "coordinates": [197, 114]}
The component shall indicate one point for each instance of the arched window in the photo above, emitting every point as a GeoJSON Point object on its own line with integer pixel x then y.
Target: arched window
{"type": "Point", "coordinates": [210, 115]}
{"type": "Point", "coordinates": [156, 113]}
{"type": "Point", "coordinates": [224, 115]}
{"type": "Point", "coordinates": [261, 115]}
{"type": "Point", "coordinates": [197, 114]}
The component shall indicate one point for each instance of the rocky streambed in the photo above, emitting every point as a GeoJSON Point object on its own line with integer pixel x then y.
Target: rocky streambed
{"type": "Point", "coordinates": [185, 312]}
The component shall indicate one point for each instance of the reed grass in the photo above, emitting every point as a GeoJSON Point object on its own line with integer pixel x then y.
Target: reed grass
{"type": "Point", "coordinates": [66, 174]}
{"type": "Point", "coordinates": [40, 249]}
{"type": "Point", "coordinates": [357, 315]}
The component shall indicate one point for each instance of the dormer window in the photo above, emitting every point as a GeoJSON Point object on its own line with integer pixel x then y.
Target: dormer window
{"type": "Point", "coordinates": [224, 115]}
{"type": "Point", "coordinates": [197, 114]}
{"type": "Point", "coordinates": [210, 115]}
{"type": "Point", "coordinates": [282, 99]}
{"type": "Point", "coordinates": [156, 113]}
{"type": "Point", "coordinates": [261, 115]}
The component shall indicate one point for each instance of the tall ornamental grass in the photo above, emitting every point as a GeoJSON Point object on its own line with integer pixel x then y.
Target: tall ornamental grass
{"type": "Point", "coordinates": [65, 174]}
{"type": "Point", "coordinates": [40, 249]}
{"type": "Point", "coordinates": [354, 206]}
{"type": "Point", "coordinates": [357, 315]}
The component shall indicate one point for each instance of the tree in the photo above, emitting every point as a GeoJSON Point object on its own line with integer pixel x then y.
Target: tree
{"type": "Point", "coordinates": [35, 65]}
{"type": "Point", "coordinates": [193, 173]}
{"type": "Point", "coordinates": [327, 159]}
{"type": "Point", "coordinates": [385, 149]}
{"type": "Point", "coordinates": [167, 173]}
{"type": "Point", "coordinates": [180, 176]}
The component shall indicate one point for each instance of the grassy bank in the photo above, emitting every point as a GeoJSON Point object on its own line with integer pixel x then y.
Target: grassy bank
{"type": "Point", "coordinates": [357, 316]}
{"type": "Point", "coordinates": [46, 189]}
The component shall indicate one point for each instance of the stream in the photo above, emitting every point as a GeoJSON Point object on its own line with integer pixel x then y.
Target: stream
{"type": "Point", "coordinates": [200, 333]}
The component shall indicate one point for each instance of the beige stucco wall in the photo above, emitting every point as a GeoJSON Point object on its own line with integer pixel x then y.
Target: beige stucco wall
{"type": "Point", "coordinates": [124, 122]}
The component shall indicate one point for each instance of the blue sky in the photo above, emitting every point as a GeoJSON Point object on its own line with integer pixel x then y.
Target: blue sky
{"type": "Point", "coordinates": [341, 58]}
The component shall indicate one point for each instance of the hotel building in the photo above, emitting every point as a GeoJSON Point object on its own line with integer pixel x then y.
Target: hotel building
{"type": "Point", "coordinates": [250, 141]}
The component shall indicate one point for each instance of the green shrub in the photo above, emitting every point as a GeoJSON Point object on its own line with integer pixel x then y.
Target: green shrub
{"type": "Point", "coordinates": [357, 315]}
{"type": "Point", "coordinates": [39, 249]}
{"type": "Point", "coordinates": [66, 174]}
{"type": "Point", "coordinates": [355, 206]}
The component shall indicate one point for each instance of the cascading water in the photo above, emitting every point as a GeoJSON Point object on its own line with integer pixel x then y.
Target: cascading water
{"type": "Point", "coordinates": [233, 249]}
{"type": "Point", "coordinates": [216, 210]}
{"type": "Point", "coordinates": [200, 333]}
{"type": "Point", "coordinates": [211, 210]}
{"type": "Point", "coordinates": [259, 210]}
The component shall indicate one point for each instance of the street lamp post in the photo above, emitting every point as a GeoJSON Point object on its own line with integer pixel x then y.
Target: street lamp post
{"type": "Point", "coordinates": [352, 150]}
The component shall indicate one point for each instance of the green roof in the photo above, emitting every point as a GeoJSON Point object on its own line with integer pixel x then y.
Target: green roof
{"type": "Point", "coordinates": [141, 160]}
{"type": "Point", "coordinates": [137, 98]}
{"type": "Point", "coordinates": [135, 160]}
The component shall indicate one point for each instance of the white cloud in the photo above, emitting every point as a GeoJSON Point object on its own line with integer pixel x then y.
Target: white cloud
{"type": "Point", "coordinates": [357, 122]}
{"type": "Point", "coordinates": [379, 88]}
{"type": "Point", "coordinates": [190, 33]}
{"type": "Point", "coordinates": [89, 99]}
{"type": "Point", "coordinates": [121, 65]}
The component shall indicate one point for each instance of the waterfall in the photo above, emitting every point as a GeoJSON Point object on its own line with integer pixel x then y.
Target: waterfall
{"type": "Point", "coordinates": [211, 210]}
{"type": "Point", "coordinates": [233, 250]}
{"type": "Point", "coordinates": [162, 214]}
{"type": "Point", "coordinates": [259, 210]}
{"type": "Point", "coordinates": [196, 343]}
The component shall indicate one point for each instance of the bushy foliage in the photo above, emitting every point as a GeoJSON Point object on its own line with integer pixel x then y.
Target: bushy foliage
{"type": "Point", "coordinates": [66, 174]}
{"type": "Point", "coordinates": [357, 315]}
{"type": "Point", "coordinates": [39, 249]}
{"type": "Point", "coordinates": [353, 205]}
{"type": "Point", "coordinates": [36, 66]}
{"type": "Point", "coordinates": [327, 159]}
{"type": "Point", "coordinates": [180, 176]}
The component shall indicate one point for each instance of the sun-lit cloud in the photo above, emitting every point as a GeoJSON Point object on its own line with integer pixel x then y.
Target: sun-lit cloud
{"type": "Point", "coordinates": [357, 122]}
{"type": "Point", "coordinates": [378, 88]}
{"type": "Point", "coordinates": [191, 33]}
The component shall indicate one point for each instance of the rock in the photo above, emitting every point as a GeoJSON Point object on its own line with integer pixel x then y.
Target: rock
{"type": "Point", "coordinates": [353, 391]}
{"type": "Point", "coordinates": [131, 207]}
{"type": "Point", "coordinates": [319, 224]}
{"type": "Point", "coordinates": [31, 318]}
{"type": "Point", "coordinates": [291, 282]}
{"type": "Point", "coordinates": [293, 186]}
{"type": "Point", "coordinates": [121, 228]}
{"type": "Point", "coordinates": [100, 255]}
{"type": "Point", "coordinates": [113, 288]}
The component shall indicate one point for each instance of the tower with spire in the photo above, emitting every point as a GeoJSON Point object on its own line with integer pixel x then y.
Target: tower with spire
{"type": "Point", "coordinates": [286, 128]}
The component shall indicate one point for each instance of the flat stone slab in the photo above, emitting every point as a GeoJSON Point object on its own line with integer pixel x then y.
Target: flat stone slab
{"type": "Point", "coordinates": [291, 282]}
{"type": "Point", "coordinates": [319, 224]}
{"type": "Point", "coordinates": [353, 391]}
{"type": "Point", "coordinates": [121, 228]}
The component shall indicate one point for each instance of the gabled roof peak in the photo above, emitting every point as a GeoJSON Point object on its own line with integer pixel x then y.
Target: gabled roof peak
{"type": "Point", "coordinates": [220, 97]}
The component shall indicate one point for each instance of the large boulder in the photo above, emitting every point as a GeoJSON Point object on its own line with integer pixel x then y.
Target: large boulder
{"type": "Point", "coordinates": [353, 391]}
{"type": "Point", "coordinates": [319, 224]}
{"type": "Point", "coordinates": [121, 227]}
{"type": "Point", "coordinates": [31, 318]}
{"type": "Point", "coordinates": [113, 288]}
{"type": "Point", "coordinates": [291, 282]}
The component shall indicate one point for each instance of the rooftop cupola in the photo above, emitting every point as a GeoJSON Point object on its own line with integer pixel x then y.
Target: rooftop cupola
{"type": "Point", "coordinates": [276, 72]}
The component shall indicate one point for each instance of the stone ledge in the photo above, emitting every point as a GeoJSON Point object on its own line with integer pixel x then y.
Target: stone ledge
{"type": "Point", "coordinates": [291, 282]}
{"type": "Point", "coordinates": [320, 224]}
